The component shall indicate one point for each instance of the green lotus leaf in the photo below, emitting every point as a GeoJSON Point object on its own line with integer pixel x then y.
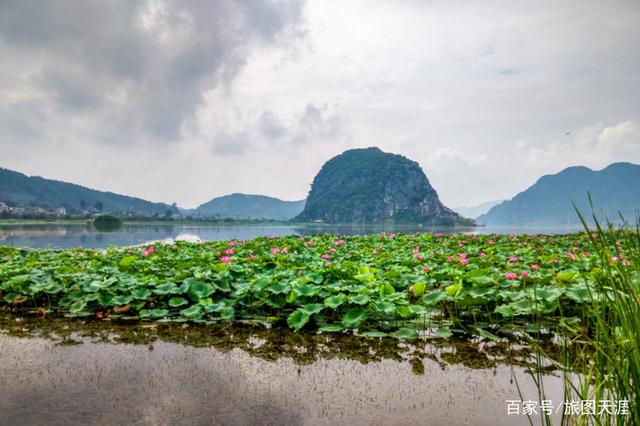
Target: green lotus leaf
{"type": "Point", "coordinates": [174, 302]}
{"type": "Point", "coordinates": [354, 317]}
{"type": "Point", "coordinates": [360, 299]}
{"type": "Point", "coordinates": [198, 290]}
{"type": "Point", "coordinates": [122, 300]}
{"type": "Point", "coordinates": [418, 289]}
{"type": "Point", "coordinates": [373, 333]}
{"type": "Point", "coordinates": [405, 333]}
{"type": "Point", "coordinates": [127, 261]}
{"type": "Point", "coordinates": [141, 293]}
{"type": "Point", "coordinates": [194, 311]}
{"type": "Point", "coordinates": [331, 328]}
{"type": "Point", "coordinates": [312, 308]}
{"type": "Point", "coordinates": [307, 290]}
{"type": "Point", "coordinates": [444, 332]}
{"type": "Point", "coordinates": [334, 301]}
{"type": "Point", "coordinates": [384, 307]}
{"type": "Point", "coordinates": [297, 320]}
{"type": "Point", "coordinates": [434, 297]}
{"type": "Point", "coordinates": [386, 289]}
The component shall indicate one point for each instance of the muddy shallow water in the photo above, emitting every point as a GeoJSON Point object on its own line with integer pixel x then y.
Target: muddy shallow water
{"type": "Point", "coordinates": [71, 372]}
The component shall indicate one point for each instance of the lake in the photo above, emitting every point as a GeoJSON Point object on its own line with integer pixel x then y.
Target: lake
{"type": "Point", "coordinates": [81, 235]}
{"type": "Point", "coordinates": [75, 372]}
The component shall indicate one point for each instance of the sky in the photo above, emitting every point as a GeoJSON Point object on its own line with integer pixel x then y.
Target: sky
{"type": "Point", "coordinates": [184, 100]}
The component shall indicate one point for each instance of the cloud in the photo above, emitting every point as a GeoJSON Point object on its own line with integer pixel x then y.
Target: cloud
{"type": "Point", "coordinates": [231, 143]}
{"type": "Point", "coordinates": [258, 94]}
{"type": "Point", "coordinates": [319, 123]}
{"type": "Point", "coordinates": [149, 61]}
{"type": "Point", "coordinates": [270, 126]}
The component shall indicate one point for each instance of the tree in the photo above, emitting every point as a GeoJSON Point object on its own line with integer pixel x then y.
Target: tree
{"type": "Point", "coordinates": [99, 206]}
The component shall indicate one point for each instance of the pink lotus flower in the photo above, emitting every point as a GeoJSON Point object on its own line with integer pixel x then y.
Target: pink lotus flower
{"type": "Point", "coordinates": [285, 250]}
{"type": "Point", "coordinates": [614, 258]}
{"type": "Point", "coordinates": [464, 260]}
{"type": "Point", "coordinates": [275, 250]}
{"type": "Point", "coordinates": [416, 250]}
{"type": "Point", "coordinates": [462, 255]}
{"type": "Point", "coordinates": [339, 243]}
{"type": "Point", "coordinates": [491, 242]}
{"type": "Point", "coordinates": [585, 254]}
{"type": "Point", "coordinates": [450, 259]}
{"type": "Point", "coordinates": [332, 249]}
{"type": "Point", "coordinates": [251, 257]}
{"type": "Point", "coordinates": [326, 256]}
{"type": "Point", "coordinates": [571, 256]}
{"type": "Point", "coordinates": [535, 266]}
{"type": "Point", "coordinates": [231, 244]}
{"type": "Point", "coordinates": [225, 259]}
{"type": "Point", "coordinates": [483, 254]}
{"type": "Point", "coordinates": [419, 257]}
{"type": "Point", "coordinates": [308, 243]}
{"type": "Point", "coordinates": [392, 236]}
{"type": "Point", "coordinates": [511, 275]}
{"type": "Point", "coordinates": [513, 259]}
{"type": "Point", "coordinates": [229, 251]}
{"type": "Point", "coordinates": [426, 268]}
{"type": "Point", "coordinates": [148, 251]}
{"type": "Point", "coordinates": [524, 274]}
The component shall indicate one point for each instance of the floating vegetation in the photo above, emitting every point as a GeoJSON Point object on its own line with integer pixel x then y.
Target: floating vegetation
{"type": "Point", "coordinates": [401, 285]}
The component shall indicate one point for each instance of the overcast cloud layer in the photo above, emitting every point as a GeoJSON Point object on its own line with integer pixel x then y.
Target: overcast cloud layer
{"type": "Point", "coordinates": [174, 100]}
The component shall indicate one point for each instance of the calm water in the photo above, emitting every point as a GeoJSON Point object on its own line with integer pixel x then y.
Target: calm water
{"type": "Point", "coordinates": [65, 236]}
{"type": "Point", "coordinates": [68, 372]}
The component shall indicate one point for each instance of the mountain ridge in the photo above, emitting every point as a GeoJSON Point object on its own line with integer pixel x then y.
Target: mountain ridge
{"type": "Point", "coordinates": [250, 206]}
{"type": "Point", "coordinates": [615, 188]}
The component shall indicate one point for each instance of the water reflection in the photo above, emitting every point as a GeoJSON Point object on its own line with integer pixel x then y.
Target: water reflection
{"type": "Point", "coordinates": [78, 235]}
{"type": "Point", "coordinates": [74, 372]}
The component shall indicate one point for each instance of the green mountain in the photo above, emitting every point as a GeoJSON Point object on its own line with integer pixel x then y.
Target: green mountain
{"type": "Point", "coordinates": [371, 186]}
{"type": "Point", "coordinates": [19, 190]}
{"type": "Point", "coordinates": [548, 202]}
{"type": "Point", "coordinates": [244, 206]}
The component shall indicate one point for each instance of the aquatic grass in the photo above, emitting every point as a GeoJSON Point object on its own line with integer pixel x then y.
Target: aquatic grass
{"type": "Point", "coordinates": [612, 333]}
{"type": "Point", "coordinates": [600, 350]}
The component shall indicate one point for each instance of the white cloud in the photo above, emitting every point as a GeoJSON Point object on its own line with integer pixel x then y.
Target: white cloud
{"type": "Point", "coordinates": [481, 95]}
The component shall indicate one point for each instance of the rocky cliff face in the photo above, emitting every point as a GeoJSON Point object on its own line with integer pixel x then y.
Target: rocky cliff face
{"type": "Point", "coordinates": [371, 186]}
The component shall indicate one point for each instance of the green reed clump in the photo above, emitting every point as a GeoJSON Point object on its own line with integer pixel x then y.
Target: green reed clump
{"type": "Point", "coordinates": [607, 349]}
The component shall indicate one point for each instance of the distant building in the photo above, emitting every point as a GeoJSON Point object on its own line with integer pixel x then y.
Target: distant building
{"type": "Point", "coordinates": [4, 208]}
{"type": "Point", "coordinates": [61, 211]}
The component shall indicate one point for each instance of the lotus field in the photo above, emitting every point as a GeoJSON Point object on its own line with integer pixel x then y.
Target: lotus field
{"type": "Point", "coordinates": [403, 285]}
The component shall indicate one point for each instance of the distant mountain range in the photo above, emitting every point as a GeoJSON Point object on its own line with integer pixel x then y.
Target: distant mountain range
{"type": "Point", "coordinates": [244, 206]}
{"type": "Point", "coordinates": [19, 190]}
{"type": "Point", "coordinates": [364, 185]}
{"type": "Point", "coordinates": [549, 201]}
{"type": "Point", "coordinates": [475, 211]}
